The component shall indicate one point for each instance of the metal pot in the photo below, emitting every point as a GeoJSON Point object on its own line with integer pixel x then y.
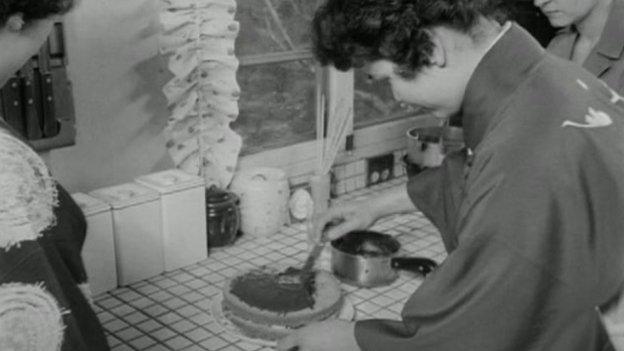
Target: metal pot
{"type": "Point", "coordinates": [369, 259]}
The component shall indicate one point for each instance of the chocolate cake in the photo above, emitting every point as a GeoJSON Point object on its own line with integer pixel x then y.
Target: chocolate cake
{"type": "Point", "coordinates": [268, 303]}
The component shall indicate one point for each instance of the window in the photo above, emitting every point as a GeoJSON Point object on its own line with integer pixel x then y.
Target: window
{"type": "Point", "coordinates": [276, 74]}
{"type": "Point", "coordinates": [279, 82]}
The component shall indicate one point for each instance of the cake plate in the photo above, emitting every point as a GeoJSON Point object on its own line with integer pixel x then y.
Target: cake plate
{"type": "Point", "coordinates": [347, 313]}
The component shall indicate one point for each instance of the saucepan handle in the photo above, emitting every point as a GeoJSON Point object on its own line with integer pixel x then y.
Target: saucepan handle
{"type": "Point", "coordinates": [419, 265]}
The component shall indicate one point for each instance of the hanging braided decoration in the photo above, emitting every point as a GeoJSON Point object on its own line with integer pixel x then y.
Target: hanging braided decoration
{"type": "Point", "coordinates": [30, 319]}
{"type": "Point", "coordinates": [198, 40]}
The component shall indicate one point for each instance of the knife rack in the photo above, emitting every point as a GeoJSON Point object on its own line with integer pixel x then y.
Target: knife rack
{"type": "Point", "coordinates": [37, 101]}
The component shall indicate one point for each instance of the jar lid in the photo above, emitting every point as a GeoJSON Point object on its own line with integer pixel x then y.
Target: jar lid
{"type": "Point", "coordinates": [216, 196]}
{"type": "Point", "coordinates": [90, 205]}
{"type": "Point", "coordinates": [170, 181]}
{"type": "Point", "coordinates": [124, 195]}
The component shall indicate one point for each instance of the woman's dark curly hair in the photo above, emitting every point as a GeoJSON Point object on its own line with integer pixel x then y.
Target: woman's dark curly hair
{"type": "Point", "coordinates": [33, 9]}
{"type": "Point", "coordinates": [350, 33]}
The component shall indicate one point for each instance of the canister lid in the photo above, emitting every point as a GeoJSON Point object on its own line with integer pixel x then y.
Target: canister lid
{"type": "Point", "coordinates": [89, 204]}
{"type": "Point", "coordinates": [217, 197]}
{"type": "Point", "coordinates": [124, 195]}
{"type": "Point", "coordinates": [169, 181]}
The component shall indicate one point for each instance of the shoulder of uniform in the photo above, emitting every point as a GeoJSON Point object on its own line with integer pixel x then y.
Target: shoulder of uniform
{"type": "Point", "coordinates": [28, 194]}
{"type": "Point", "coordinates": [30, 318]}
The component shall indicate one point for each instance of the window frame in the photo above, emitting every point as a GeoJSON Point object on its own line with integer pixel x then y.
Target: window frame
{"type": "Point", "coordinates": [299, 159]}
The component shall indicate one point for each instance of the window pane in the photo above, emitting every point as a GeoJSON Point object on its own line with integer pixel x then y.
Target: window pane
{"type": "Point", "coordinates": [373, 102]}
{"type": "Point", "coordinates": [268, 26]}
{"type": "Point", "coordinates": [277, 105]}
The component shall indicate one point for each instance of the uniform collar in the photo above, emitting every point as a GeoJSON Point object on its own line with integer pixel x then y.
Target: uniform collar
{"type": "Point", "coordinates": [503, 68]}
{"type": "Point", "coordinates": [611, 42]}
{"type": "Point", "coordinates": [610, 47]}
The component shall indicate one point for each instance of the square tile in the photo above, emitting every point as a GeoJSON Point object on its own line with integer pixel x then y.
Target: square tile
{"type": "Point", "coordinates": [213, 327]}
{"type": "Point", "coordinates": [155, 310]}
{"type": "Point", "coordinates": [122, 310]}
{"type": "Point", "coordinates": [195, 283]}
{"type": "Point", "coordinates": [192, 296]}
{"type": "Point", "coordinates": [204, 304]}
{"type": "Point", "coordinates": [141, 303]}
{"type": "Point", "coordinates": [214, 343]}
{"type": "Point", "coordinates": [128, 295]}
{"type": "Point", "coordinates": [115, 325]}
{"type": "Point", "coordinates": [214, 277]}
{"type": "Point", "coordinates": [147, 289]}
{"type": "Point", "coordinates": [201, 319]}
{"type": "Point", "coordinates": [178, 343]}
{"type": "Point", "coordinates": [229, 272]}
{"type": "Point", "coordinates": [178, 290]}
{"type": "Point", "coordinates": [108, 302]}
{"type": "Point", "coordinates": [128, 334]}
{"type": "Point", "coordinates": [160, 296]}
{"type": "Point", "coordinates": [210, 290]}
{"type": "Point", "coordinates": [182, 326]}
{"type": "Point", "coordinates": [105, 317]}
{"type": "Point", "coordinates": [163, 334]}
{"type": "Point", "coordinates": [135, 318]}
{"type": "Point", "coordinates": [112, 341]}
{"type": "Point", "coordinates": [169, 318]}
{"type": "Point", "coordinates": [182, 277]}
{"type": "Point", "coordinates": [368, 307]}
{"type": "Point", "coordinates": [382, 300]}
{"type": "Point", "coordinates": [148, 325]}
{"type": "Point", "coordinates": [142, 343]}
{"type": "Point", "coordinates": [188, 311]}
{"type": "Point", "coordinates": [198, 334]}
{"type": "Point", "coordinates": [165, 283]}
{"type": "Point", "coordinates": [174, 303]}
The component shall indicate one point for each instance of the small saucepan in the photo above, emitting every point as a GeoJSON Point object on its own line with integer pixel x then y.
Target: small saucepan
{"type": "Point", "coordinates": [369, 259]}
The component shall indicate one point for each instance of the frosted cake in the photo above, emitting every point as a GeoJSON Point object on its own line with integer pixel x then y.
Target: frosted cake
{"type": "Point", "coordinates": [268, 303]}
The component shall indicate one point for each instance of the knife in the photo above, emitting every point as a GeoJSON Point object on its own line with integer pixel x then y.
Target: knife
{"type": "Point", "coordinates": [314, 254]}
{"type": "Point", "coordinates": [12, 105]}
{"type": "Point", "coordinates": [50, 125]}
{"type": "Point", "coordinates": [306, 271]}
{"type": "Point", "coordinates": [306, 274]}
{"type": "Point", "coordinates": [32, 109]}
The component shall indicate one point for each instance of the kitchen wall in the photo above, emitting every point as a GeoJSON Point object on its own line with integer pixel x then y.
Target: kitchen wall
{"type": "Point", "coordinates": [120, 111]}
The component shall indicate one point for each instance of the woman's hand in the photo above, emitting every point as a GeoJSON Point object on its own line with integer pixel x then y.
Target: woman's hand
{"type": "Point", "coordinates": [333, 335]}
{"type": "Point", "coordinates": [357, 215]}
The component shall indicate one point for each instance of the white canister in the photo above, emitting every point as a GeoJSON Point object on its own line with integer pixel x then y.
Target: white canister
{"type": "Point", "coordinates": [183, 211]}
{"type": "Point", "coordinates": [137, 230]}
{"type": "Point", "coordinates": [98, 251]}
{"type": "Point", "coordinates": [263, 194]}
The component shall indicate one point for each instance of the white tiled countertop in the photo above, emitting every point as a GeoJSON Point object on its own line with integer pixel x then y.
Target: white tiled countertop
{"type": "Point", "coordinates": [172, 311]}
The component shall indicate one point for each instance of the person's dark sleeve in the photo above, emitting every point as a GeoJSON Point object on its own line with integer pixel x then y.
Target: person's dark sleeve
{"type": "Point", "coordinates": [436, 192]}
{"type": "Point", "coordinates": [68, 235]}
{"type": "Point", "coordinates": [31, 264]}
{"type": "Point", "coordinates": [500, 288]}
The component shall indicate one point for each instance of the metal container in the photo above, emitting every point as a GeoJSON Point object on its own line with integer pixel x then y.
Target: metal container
{"type": "Point", "coordinates": [368, 259]}
{"type": "Point", "coordinates": [222, 217]}
{"type": "Point", "coordinates": [424, 146]}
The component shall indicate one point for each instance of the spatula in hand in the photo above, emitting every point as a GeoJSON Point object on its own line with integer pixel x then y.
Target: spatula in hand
{"type": "Point", "coordinates": [306, 273]}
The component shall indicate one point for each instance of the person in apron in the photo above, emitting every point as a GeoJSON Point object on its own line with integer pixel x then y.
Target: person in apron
{"type": "Point", "coordinates": [534, 243]}
{"type": "Point", "coordinates": [44, 295]}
